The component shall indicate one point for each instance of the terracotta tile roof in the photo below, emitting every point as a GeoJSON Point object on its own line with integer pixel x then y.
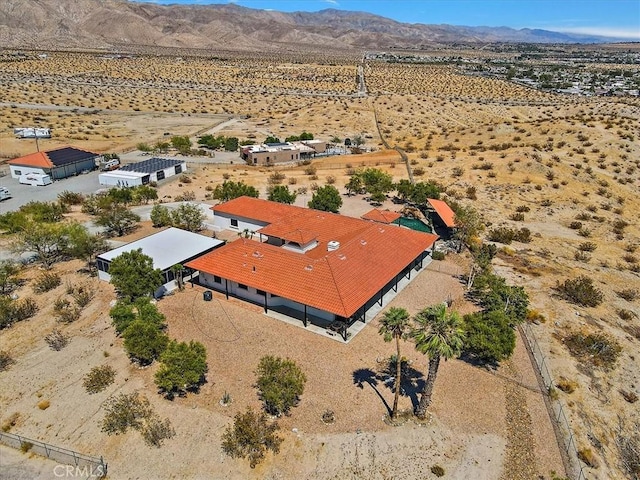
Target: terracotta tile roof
{"type": "Point", "coordinates": [381, 216]}
{"type": "Point", "coordinates": [254, 208]}
{"type": "Point", "coordinates": [444, 212]}
{"type": "Point", "coordinates": [52, 158]}
{"type": "Point", "coordinates": [301, 237]}
{"type": "Point", "coordinates": [38, 159]}
{"type": "Point", "coordinates": [341, 281]}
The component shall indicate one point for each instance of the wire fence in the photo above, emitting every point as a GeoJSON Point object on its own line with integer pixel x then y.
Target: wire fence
{"type": "Point", "coordinates": [566, 439]}
{"type": "Point", "coordinates": [84, 465]}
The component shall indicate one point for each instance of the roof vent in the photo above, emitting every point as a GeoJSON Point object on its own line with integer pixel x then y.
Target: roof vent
{"type": "Point", "coordinates": [257, 254]}
{"type": "Point", "coordinates": [308, 268]}
{"type": "Point", "coordinates": [363, 242]}
{"type": "Point", "coordinates": [342, 256]}
{"type": "Point", "coordinates": [333, 245]}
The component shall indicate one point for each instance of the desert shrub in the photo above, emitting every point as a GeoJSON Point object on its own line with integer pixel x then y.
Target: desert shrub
{"type": "Point", "coordinates": [56, 340]}
{"type": "Point", "coordinates": [628, 396]}
{"type": "Point", "coordinates": [251, 436]}
{"type": "Point", "coordinates": [70, 198]}
{"type": "Point", "coordinates": [522, 209]}
{"type": "Point", "coordinates": [629, 450]}
{"type": "Point", "coordinates": [517, 217]}
{"type": "Point", "coordinates": [280, 383]}
{"type": "Point", "coordinates": [311, 170]}
{"type": "Point", "coordinates": [82, 296]}
{"type": "Point", "coordinates": [328, 416]}
{"type": "Point", "coordinates": [584, 232]}
{"type": "Point", "coordinates": [587, 456]}
{"type": "Point", "coordinates": [331, 179]}
{"type": "Point", "coordinates": [65, 311]}
{"type": "Point", "coordinates": [6, 360]}
{"type": "Point", "coordinates": [507, 235]}
{"type": "Point", "coordinates": [457, 172]}
{"type": "Point", "coordinates": [587, 247]}
{"type": "Point", "coordinates": [438, 471]}
{"type": "Point", "coordinates": [566, 385]}
{"type": "Point", "coordinates": [12, 311]}
{"type": "Point", "coordinates": [10, 422]}
{"type": "Point", "coordinates": [625, 314]}
{"type": "Point", "coordinates": [471, 193]}
{"type": "Point", "coordinates": [276, 178]}
{"type": "Point", "coordinates": [185, 179]}
{"type": "Point", "coordinates": [418, 171]}
{"type": "Point", "coordinates": [575, 225]}
{"type": "Point", "coordinates": [580, 291]}
{"type": "Point", "coordinates": [155, 431]}
{"type": "Point", "coordinates": [160, 216]}
{"type": "Point", "coordinates": [489, 337]}
{"type": "Point", "coordinates": [46, 281]}
{"type": "Point", "coordinates": [25, 446]}
{"type": "Point", "coordinates": [188, 196]}
{"type": "Point", "coordinates": [580, 256]}
{"type": "Point", "coordinates": [599, 349]}
{"type": "Point", "coordinates": [628, 294]}
{"type": "Point", "coordinates": [630, 258]}
{"type": "Point", "coordinates": [99, 378]}
{"type": "Point", "coordinates": [44, 404]}
{"type": "Point", "coordinates": [125, 411]}
{"type": "Point", "coordinates": [438, 255]}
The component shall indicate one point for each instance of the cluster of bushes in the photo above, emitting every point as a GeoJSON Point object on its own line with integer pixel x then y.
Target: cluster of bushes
{"type": "Point", "coordinates": [508, 235]}
{"type": "Point", "coordinates": [596, 349]}
{"type": "Point", "coordinates": [186, 216]}
{"type": "Point", "coordinates": [12, 311]}
{"type": "Point", "coordinates": [229, 190]}
{"type": "Point", "coordinates": [230, 144]}
{"type": "Point", "coordinates": [419, 192]}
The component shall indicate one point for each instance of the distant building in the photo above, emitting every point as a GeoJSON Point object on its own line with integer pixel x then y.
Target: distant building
{"type": "Point", "coordinates": [58, 163]}
{"type": "Point", "coordinates": [284, 152]}
{"type": "Point", "coordinates": [142, 173]}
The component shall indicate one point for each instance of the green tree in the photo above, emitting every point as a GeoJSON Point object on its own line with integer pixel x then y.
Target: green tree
{"type": "Point", "coordinates": [122, 315]}
{"type": "Point", "coordinates": [492, 293]}
{"type": "Point", "coordinates": [144, 147]}
{"type": "Point", "coordinates": [144, 194]}
{"type": "Point", "coordinates": [117, 219]}
{"type": "Point", "coordinates": [230, 190]}
{"type": "Point", "coordinates": [326, 198]}
{"type": "Point", "coordinates": [488, 336]}
{"type": "Point", "coordinates": [125, 411]}
{"type": "Point", "coordinates": [405, 189]}
{"type": "Point", "coordinates": [394, 325]}
{"type": "Point", "coordinates": [85, 245]}
{"type": "Point", "coordinates": [281, 194]}
{"type": "Point", "coordinates": [280, 382]}
{"type": "Point", "coordinates": [178, 272]}
{"type": "Point", "coordinates": [188, 216]}
{"type": "Point", "coordinates": [182, 144]}
{"type": "Point", "coordinates": [376, 181]}
{"type": "Point", "coordinates": [125, 312]}
{"type": "Point", "coordinates": [354, 185]}
{"type": "Point", "coordinates": [251, 436]}
{"type": "Point", "coordinates": [468, 224]}
{"type": "Point", "coordinates": [133, 275]}
{"type": "Point", "coordinates": [48, 241]}
{"type": "Point", "coordinates": [160, 216]}
{"type": "Point", "coordinates": [144, 341]}
{"type": "Point", "coordinates": [437, 333]}
{"type": "Point", "coordinates": [231, 144]}
{"type": "Point", "coordinates": [272, 139]}
{"type": "Point", "coordinates": [183, 367]}
{"type": "Point", "coordinates": [421, 191]}
{"type": "Point", "coordinates": [8, 276]}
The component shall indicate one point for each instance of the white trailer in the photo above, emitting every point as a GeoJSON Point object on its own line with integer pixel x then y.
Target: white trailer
{"type": "Point", "coordinates": [35, 179]}
{"type": "Point", "coordinates": [32, 132]}
{"type": "Point", "coordinates": [4, 193]}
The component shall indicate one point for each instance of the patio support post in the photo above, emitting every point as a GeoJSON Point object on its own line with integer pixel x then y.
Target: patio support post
{"type": "Point", "coordinates": [344, 331]}
{"type": "Point", "coordinates": [395, 287]}
{"type": "Point", "coordinates": [304, 319]}
{"type": "Point", "coordinates": [265, 302]}
{"type": "Point", "coordinates": [364, 313]}
{"type": "Point", "coordinates": [226, 288]}
{"type": "Point", "coordinates": [381, 295]}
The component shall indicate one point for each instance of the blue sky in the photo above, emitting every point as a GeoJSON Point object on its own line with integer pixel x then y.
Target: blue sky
{"type": "Point", "coordinates": [594, 17]}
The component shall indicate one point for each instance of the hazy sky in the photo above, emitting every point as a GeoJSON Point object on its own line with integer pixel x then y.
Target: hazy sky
{"type": "Point", "coordinates": [599, 17]}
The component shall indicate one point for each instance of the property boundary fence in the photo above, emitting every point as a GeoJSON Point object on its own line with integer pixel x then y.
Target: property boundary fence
{"type": "Point", "coordinates": [92, 467]}
{"type": "Point", "coordinates": [566, 439]}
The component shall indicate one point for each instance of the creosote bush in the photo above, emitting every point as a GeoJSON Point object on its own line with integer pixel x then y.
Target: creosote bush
{"type": "Point", "coordinates": [628, 294]}
{"type": "Point", "coordinates": [46, 281]}
{"type": "Point", "coordinates": [99, 378]}
{"type": "Point", "coordinates": [580, 291]}
{"type": "Point", "coordinates": [597, 349]}
{"type": "Point", "coordinates": [251, 436]}
{"type": "Point", "coordinates": [6, 360]}
{"type": "Point", "coordinates": [57, 340]}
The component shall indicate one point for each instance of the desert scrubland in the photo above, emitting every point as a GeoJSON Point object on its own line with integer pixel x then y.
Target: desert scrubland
{"type": "Point", "coordinates": [565, 167]}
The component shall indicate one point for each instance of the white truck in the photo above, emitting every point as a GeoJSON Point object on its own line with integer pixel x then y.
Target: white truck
{"type": "Point", "coordinates": [4, 193]}
{"type": "Point", "coordinates": [35, 179]}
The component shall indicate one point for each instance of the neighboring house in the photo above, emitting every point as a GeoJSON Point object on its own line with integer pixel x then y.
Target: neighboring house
{"type": "Point", "coordinates": [143, 173]}
{"type": "Point", "coordinates": [285, 152]}
{"type": "Point", "coordinates": [167, 248]}
{"type": "Point", "coordinates": [312, 263]}
{"type": "Point", "coordinates": [58, 163]}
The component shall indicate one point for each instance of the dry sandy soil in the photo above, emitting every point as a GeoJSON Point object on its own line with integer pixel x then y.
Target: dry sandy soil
{"type": "Point", "coordinates": [492, 144]}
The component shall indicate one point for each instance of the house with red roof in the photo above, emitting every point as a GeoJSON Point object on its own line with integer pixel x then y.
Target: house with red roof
{"type": "Point", "coordinates": [320, 267]}
{"type": "Point", "coordinates": [57, 163]}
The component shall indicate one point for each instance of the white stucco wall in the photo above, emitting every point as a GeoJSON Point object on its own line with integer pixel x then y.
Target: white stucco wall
{"type": "Point", "coordinates": [222, 221]}
{"type": "Point", "coordinates": [17, 170]}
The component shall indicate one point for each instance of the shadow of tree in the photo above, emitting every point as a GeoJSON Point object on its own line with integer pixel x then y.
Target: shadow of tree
{"type": "Point", "coordinates": [412, 381]}
{"type": "Point", "coordinates": [366, 375]}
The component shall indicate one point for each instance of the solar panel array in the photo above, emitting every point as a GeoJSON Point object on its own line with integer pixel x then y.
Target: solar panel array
{"type": "Point", "coordinates": [152, 165]}
{"type": "Point", "coordinates": [67, 155]}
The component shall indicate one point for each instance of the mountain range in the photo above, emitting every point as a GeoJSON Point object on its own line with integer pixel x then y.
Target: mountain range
{"type": "Point", "coordinates": [105, 24]}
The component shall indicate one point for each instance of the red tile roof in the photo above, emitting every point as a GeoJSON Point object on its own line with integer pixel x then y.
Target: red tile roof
{"type": "Point", "coordinates": [38, 159]}
{"type": "Point", "coordinates": [381, 216]}
{"type": "Point", "coordinates": [444, 211]}
{"type": "Point", "coordinates": [341, 281]}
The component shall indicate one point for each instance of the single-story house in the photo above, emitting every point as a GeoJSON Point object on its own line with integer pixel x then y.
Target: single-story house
{"type": "Point", "coordinates": [142, 173]}
{"type": "Point", "coordinates": [57, 163]}
{"type": "Point", "coordinates": [167, 248]}
{"type": "Point", "coordinates": [315, 264]}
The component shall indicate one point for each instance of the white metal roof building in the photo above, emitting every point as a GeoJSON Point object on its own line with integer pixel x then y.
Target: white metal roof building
{"type": "Point", "coordinates": [167, 248]}
{"type": "Point", "coordinates": [141, 173]}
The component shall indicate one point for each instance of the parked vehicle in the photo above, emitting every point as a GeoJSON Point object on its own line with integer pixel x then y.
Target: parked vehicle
{"type": "Point", "coordinates": [4, 193]}
{"type": "Point", "coordinates": [36, 179]}
{"type": "Point", "coordinates": [32, 132]}
{"type": "Point", "coordinates": [110, 165]}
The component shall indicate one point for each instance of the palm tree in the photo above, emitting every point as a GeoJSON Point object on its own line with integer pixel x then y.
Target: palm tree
{"type": "Point", "coordinates": [438, 333]}
{"type": "Point", "coordinates": [395, 325]}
